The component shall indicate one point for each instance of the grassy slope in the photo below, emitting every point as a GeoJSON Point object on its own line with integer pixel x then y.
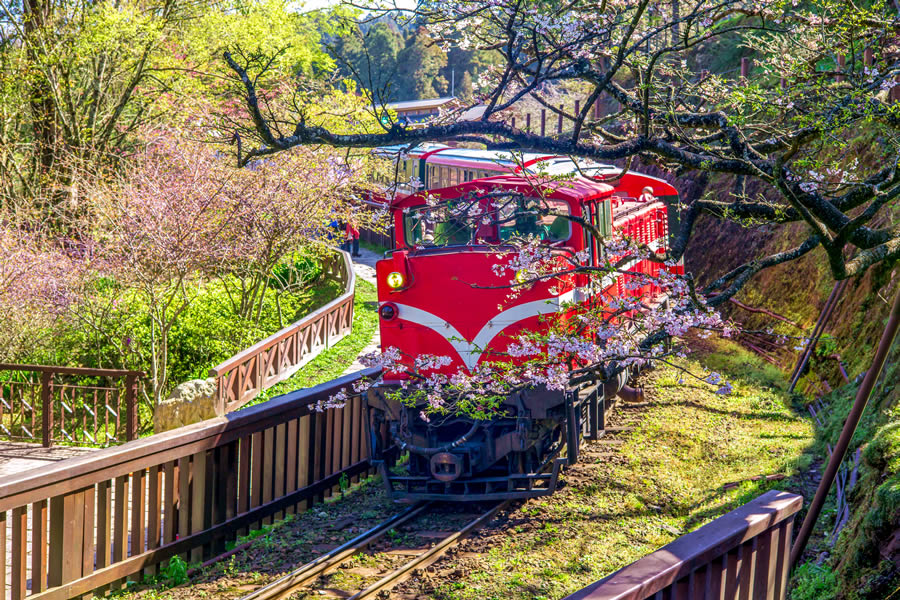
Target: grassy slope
{"type": "Point", "coordinates": [665, 479]}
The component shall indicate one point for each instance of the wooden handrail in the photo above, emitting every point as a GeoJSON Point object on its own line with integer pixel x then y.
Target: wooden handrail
{"type": "Point", "coordinates": [75, 473]}
{"type": "Point", "coordinates": [86, 371]}
{"type": "Point", "coordinates": [706, 551]}
{"type": "Point", "coordinates": [262, 380]}
{"type": "Point", "coordinates": [78, 525]}
{"type": "Point", "coordinates": [84, 423]}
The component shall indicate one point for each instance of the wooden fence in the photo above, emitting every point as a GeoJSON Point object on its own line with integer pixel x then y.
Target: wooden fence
{"type": "Point", "coordinates": [240, 378]}
{"type": "Point", "coordinates": [744, 554]}
{"type": "Point", "coordinates": [68, 404]}
{"type": "Point", "coordinates": [87, 523]}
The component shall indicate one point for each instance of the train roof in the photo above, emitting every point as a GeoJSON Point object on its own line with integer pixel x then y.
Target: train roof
{"type": "Point", "coordinates": [533, 163]}
{"type": "Point", "coordinates": [576, 189]}
{"type": "Point", "coordinates": [420, 148]}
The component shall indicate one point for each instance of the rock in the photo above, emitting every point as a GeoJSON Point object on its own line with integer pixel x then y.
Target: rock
{"type": "Point", "coordinates": [191, 402]}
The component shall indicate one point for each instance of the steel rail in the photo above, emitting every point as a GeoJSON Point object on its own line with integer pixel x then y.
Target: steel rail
{"type": "Point", "coordinates": [426, 558]}
{"type": "Point", "coordinates": [284, 586]}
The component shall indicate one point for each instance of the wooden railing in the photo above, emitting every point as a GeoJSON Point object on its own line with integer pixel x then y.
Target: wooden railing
{"type": "Point", "coordinates": [86, 523]}
{"type": "Point", "coordinates": [743, 554]}
{"type": "Point", "coordinates": [68, 404]}
{"type": "Point", "coordinates": [240, 378]}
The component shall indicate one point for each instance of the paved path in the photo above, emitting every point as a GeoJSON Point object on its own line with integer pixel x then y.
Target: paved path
{"type": "Point", "coordinates": [364, 266]}
{"type": "Point", "coordinates": [16, 457]}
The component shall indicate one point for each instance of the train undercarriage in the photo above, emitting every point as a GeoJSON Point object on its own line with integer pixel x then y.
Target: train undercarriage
{"type": "Point", "coordinates": [517, 455]}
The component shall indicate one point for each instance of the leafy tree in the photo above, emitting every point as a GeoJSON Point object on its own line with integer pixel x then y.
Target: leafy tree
{"type": "Point", "coordinates": [837, 62]}
{"type": "Point", "coordinates": [824, 73]}
{"type": "Point", "coordinates": [420, 64]}
{"type": "Point", "coordinates": [91, 75]}
{"type": "Point", "coordinates": [370, 59]}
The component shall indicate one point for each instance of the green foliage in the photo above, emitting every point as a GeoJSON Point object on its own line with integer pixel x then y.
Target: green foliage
{"type": "Point", "coordinates": [176, 571]}
{"type": "Point", "coordinates": [813, 582]}
{"type": "Point", "coordinates": [827, 346]}
{"type": "Point", "coordinates": [406, 64]}
{"type": "Point", "coordinates": [863, 572]}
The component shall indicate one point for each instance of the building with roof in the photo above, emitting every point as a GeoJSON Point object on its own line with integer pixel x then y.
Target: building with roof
{"type": "Point", "coordinates": [418, 111]}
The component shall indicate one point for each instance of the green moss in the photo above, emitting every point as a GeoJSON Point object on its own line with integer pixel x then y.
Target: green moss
{"type": "Point", "coordinates": [863, 573]}
{"type": "Point", "coordinates": [813, 582]}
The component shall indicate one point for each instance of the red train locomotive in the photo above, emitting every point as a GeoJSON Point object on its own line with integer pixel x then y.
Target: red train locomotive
{"type": "Point", "coordinates": [439, 294]}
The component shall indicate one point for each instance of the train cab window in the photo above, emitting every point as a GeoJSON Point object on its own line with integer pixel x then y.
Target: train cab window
{"type": "Point", "coordinates": [441, 225]}
{"type": "Point", "coordinates": [522, 217]}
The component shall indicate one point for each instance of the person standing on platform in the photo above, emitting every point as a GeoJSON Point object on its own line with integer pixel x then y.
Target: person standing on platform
{"type": "Point", "coordinates": [353, 237]}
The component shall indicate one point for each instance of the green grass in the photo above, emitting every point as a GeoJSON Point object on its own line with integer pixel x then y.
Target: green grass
{"type": "Point", "coordinates": [666, 479]}
{"type": "Point", "coordinates": [332, 362]}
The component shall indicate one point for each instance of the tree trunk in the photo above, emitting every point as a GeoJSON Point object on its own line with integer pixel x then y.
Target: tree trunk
{"type": "Point", "coordinates": [675, 24]}
{"type": "Point", "coordinates": [43, 110]}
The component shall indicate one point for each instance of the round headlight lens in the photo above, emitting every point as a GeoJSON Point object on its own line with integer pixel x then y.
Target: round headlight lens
{"type": "Point", "coordinates": [395, 280]}
{"type": "Point", "coordinates": [387, 311]}
{"type": "Point", "coordinates": [521, 276]}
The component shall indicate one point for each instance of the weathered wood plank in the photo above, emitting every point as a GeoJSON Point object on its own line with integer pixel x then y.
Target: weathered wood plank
{"type": "Point", "coordinates": [3, 558]}
{"type": "Point", "coordinates": [280, 463]}
{"type": "Point", "coordinates": [19, 552]}
{"type": "Point", "coordinates": [268, 476]}
{"type": "Point", "coordinates": [303, 457]}
{"type": "Point", "coordinates": [87, 545]}
{"type": "Point", "coordinates": [290, 467]}
{"type": "Point", "coordinates": [198, 500]}
{"type": "Point", "coordinates": [743, 535]}
{"type": "Point", "coordinates": [122, 569]}
{"type": "Point", "coordinates": [39, 537]}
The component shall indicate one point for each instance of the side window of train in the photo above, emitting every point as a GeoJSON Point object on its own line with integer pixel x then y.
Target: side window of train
{"type": "Point", "coordinates": [522, 217]}
{"type": "Point", "coordinates": [439, 225]}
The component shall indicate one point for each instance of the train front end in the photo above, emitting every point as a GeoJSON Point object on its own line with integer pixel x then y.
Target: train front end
{"type": "Point", "coordinates": [445, 296]}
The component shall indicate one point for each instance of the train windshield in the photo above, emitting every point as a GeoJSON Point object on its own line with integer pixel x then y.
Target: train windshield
{"type": "Point", "coordinates": [455, 223]}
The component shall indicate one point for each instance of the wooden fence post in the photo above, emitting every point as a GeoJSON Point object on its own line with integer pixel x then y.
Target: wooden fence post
{"type": "Point", "coordinates": [745, 67]}
{"type": "Point", "coordinates": [577, 109]}
{"type": "Point", "coordinates": [46, 409]}
{"type": "Point", "coordinates": [559, 121]}
{"type": "Point", "coordinates": [528, 122]}
{"type": "Point", "coordinates": [543, 122]}
{"type": "Point", "coordinates": [841, 65]}
{"type": "Point", "coordinates": [869, 57]}
{"type": "Point", "coordinates": [131, 423]}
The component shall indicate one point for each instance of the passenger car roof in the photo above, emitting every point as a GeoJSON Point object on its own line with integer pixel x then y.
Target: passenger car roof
{"type": "Point", "coordinates": [575, 189]}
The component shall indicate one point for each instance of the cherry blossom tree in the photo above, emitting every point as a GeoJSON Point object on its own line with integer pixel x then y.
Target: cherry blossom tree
{"type": "Point", "coordinates": [178, 216]}
{"type": "Point", "coordinates": [823, 72]}
{"type": "Point", "coordinates": [782, 126]}
{"type": "Point", "coordinates": [39, 283]}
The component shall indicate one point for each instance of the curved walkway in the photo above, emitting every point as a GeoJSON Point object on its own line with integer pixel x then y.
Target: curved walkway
{"type": "Point", "coordinates": [364, 266]}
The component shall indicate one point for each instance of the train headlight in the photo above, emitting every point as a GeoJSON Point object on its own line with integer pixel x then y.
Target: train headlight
{"type": "Point", "coordinates": [388, 311]}
{"type": "Point", "coordinates": [396, 280]}
{"type": "Point", "coordinates": [521, 276]}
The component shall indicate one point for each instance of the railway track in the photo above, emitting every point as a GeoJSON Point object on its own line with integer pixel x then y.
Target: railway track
{"type": "Point", "coordinates": [305, 578]}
